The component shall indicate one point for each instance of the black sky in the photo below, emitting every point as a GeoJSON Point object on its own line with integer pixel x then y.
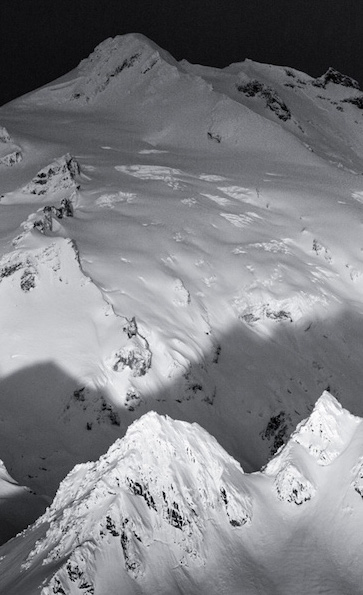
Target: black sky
{"type": "Point", "coordinates": [42, 39]}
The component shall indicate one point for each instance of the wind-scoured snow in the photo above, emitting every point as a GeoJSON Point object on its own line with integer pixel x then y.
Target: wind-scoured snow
{"type": "Point", "coordinates": [187, 240]}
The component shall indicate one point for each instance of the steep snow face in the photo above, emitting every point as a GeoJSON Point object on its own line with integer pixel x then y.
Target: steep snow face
{"type": "Point", "coordinates": [325, 435]}
{"type": "Point", "coordinates": [116, 67]}
{"type": "Point", "coordinates": [167, 510]}
{"type": "Point", "coordinates": [48, 282]}
{"type": "Point", "coordinates": [327, 431]}
{"type": "Point", "coordinates": [131, 56]}
{"type": "Point", "coordinates": [57, 179]}
{"type": "Point", "coordinates": [157, 500]}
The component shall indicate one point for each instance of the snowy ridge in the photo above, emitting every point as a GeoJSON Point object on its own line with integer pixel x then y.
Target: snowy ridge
{"type": "Point", "coordinates": [215, 100]}
{"type": "Point", "coordinates": [58, 179]}
{"type": "Point", "coordinates": [119, 55]}
{"type": "Point", "coordinates": [328, 430]}
{"type": "Point", "coordinates": [116, 67]}
{"type": "Point", "coordinates": [299, 103]}
{"type": "Point", "coordinates": [135, 497]}
{"type": "Point", "coordinates": [325, 434]}
{"type": "Point", "coordinates": [167, 496]}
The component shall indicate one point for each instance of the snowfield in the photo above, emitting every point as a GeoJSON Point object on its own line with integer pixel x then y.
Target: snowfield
{"type": "Point", "coordinates": [180, 242]}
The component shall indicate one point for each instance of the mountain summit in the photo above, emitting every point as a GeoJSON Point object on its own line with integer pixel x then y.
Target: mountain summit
{"type": "Point", "coordinates": [134, 77]}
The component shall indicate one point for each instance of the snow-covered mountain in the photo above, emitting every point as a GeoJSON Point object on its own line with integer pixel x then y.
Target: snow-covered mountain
{"type": "Point", "coordinates": [166, 510]}
{"type": "Point", "coordinates": [185, 240]}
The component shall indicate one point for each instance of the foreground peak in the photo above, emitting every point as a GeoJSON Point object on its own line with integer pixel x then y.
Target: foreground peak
{"type": "Point", "coordinates": [325, 435]}
{"type": "Point", "coordinates": [166, 505]}
{"type": "Point", "coordinates": [158, 493]}
{"type": "Point", "coordinates": [156, 450]}
{"type": "Point", "coordinates": [328, 430]}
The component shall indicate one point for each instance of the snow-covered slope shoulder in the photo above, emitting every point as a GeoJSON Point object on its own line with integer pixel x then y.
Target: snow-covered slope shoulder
{"type": "Point", "coordinates": [165, 508]}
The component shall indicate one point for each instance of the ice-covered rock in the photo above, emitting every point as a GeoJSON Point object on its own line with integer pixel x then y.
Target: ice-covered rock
{"type": "Point", "coordinates": [292, 486]}
{"type": "Point", "coordinates": [357, 101]}
{"type": "Point", "coordinates": [334, 76]}
{"type": "Point", "coordinates": [10, 154]}
{"type": "Point", "coordinates": [181, 294]}
{"type": "Point", "coordinates": [11, 158]}
{"type": "Point", "coordinates": [57, 177]}
{"type": "Point", "coordinates": [358, 477]}
{"type": "Point", "coordinates": [255, 88]}
{"type": "Point", "coordinates": [135, 356]}
{"type": "Point", "coordinates": [4, 135]}
{"type": "Point", "coordinates": [259, 307]}
{"type": "Point", "coordinates": [21, 269]}
{"type": "Point", "coordinates": [277, 430]}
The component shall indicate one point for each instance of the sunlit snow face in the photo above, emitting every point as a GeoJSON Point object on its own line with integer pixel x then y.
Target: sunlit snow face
{"type": "Point", "coordinates": [185, 240]}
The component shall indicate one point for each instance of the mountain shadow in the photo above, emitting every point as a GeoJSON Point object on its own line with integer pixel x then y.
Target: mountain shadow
{"type": "Point", "coordinates": [50, 421]}
{"type": "Point", "coordinates": [44, 433]}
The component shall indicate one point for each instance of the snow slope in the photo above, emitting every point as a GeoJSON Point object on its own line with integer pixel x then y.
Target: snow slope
{"type": "Point", "coordinates": [166, 510]}
{"type": "Point", "coordinates": [180, 239]}
{"type": "Point", "coordinates": [19, 506]}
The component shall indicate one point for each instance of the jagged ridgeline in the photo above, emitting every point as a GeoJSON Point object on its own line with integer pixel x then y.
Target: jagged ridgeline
{"type": "Point", "coordinates": [164, 508]}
